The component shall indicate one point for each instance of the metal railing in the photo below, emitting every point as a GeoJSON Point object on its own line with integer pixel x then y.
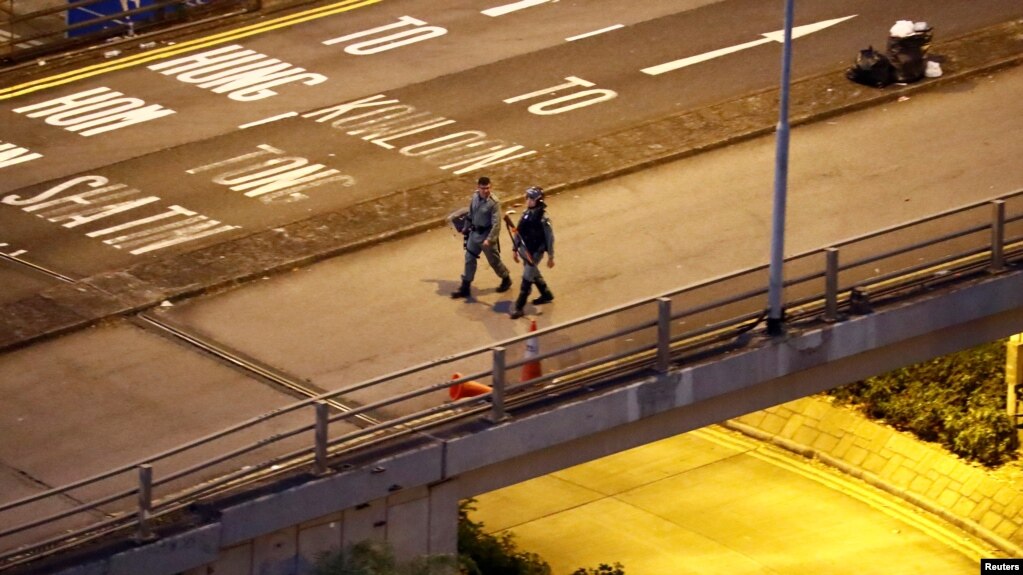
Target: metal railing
{"type": "Point", "coordinates": [33, 28]}
{"type": "Point", "coordinates": [649, 334]}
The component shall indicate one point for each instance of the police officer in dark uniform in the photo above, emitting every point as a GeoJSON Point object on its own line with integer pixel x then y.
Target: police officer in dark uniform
{"type": "Point", "coordinates": [535, 238]}
{"type": "Point", "coordinates": [482, 230]}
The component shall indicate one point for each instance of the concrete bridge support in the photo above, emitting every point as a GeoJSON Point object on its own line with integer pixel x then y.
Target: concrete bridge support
{"type": "Point", "coordinates": [414, 522]}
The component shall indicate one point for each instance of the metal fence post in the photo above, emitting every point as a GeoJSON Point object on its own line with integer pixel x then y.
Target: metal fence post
{"type": "Point", "coordinates": [831, 285]}
{"type": "Point", "coordinates": [145, 532]}
{"type": "Point", "coordinates": [322, 421]}
{"type": "Point", "coordinates": [997, 235]}
{"type": "Point", "coordinates": [663, 334]}
{"type": "Point", "coordinates": [497, 397]}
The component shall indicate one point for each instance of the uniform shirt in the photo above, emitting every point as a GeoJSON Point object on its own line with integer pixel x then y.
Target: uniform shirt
{"type": "Point", "coordinates": [485, 216]}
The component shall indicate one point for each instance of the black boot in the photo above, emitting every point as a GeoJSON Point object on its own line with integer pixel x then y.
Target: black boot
{"type": "Point", "coordinates": [520, 302]}
{"type": "Point", "coordinates": [505, 284]}
{"type": "Point", "coordinates": [462, 291]}
{"type": "Point", "coordinates": [545, 294]}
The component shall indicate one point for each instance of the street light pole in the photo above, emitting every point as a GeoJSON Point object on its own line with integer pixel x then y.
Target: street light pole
{"type": "Point", "coordinates": [776, 314]}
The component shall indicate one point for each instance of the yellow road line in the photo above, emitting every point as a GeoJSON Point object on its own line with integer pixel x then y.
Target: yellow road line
{"type": "Point", "coordinates": [869, 495]}
{"type": "Point", "coordinates": [188, 46]}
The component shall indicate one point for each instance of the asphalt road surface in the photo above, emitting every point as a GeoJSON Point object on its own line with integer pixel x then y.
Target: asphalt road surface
{"type": "Point", "coordinates": [217, 138]}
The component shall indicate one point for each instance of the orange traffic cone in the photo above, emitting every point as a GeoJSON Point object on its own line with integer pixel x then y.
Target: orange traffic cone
{"type": "Point", "coordinates": [466, 389]}
{"type": "Point", "coordinates": [531, 369]}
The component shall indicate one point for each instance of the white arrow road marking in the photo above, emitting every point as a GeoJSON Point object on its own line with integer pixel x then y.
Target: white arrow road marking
{"type": "Point", "coordinates": [268, 120]}
{"type": "Point", "coordinates": [509, 8]}
{"type": "Point", "coordinates": [778, 36]}
{"type": "Point", "coordinates": [595, 32]}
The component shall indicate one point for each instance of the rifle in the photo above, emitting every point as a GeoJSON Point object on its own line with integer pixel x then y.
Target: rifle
{"type": "Point", "coordinates": [516, 239]}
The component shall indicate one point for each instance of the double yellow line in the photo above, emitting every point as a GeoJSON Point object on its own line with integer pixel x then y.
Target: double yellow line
{"type": "Point", "coordinates": [190, 45]}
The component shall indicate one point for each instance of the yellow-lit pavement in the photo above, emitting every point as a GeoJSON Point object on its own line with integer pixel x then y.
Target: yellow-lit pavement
{"type": "Point", "coordinates": [713, 501]}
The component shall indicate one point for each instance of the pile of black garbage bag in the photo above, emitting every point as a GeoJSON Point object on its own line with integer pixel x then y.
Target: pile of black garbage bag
{"type": "Point", "coordinates": [905, 60]}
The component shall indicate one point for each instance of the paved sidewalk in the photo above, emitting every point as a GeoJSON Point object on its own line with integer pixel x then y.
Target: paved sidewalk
{"type": "Point", "coordinates": [69, 307]}
{"type": "Point", "coordinates": [684, 505]}
{"type": "Point", "coordinates": [981, 502]}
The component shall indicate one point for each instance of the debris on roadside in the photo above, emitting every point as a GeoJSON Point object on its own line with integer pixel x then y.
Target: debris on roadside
{"type": "Point", "coordinates": [871, 68]}
{"type": "Point", "coordinates": [904, 61]}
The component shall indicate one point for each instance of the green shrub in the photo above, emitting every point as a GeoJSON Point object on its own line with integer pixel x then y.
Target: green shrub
{"type": "Point", "coordinates": [375, 558]}
{"type": "Point", "coordinates": [479, 553]}
{"type": "Point", "coordinates": [983, 434]}
{"type": "Point", "coordinates": [603, 569]}
{"type": "Point", "coordinates": [957, 400]}
{"type": "Point", "coordinates": [484, 554]}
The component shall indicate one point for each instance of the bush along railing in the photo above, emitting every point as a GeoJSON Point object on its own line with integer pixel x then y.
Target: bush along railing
{"type": "Point", "coordinates": [479, 553]}
{"type": "Point", "coordinates": [957, 400]}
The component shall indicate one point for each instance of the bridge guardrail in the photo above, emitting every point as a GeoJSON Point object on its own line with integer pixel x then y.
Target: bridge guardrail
{"type": "Point", "coordinates": [641, 335]}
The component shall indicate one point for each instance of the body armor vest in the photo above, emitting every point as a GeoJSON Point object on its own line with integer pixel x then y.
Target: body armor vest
{"type": "Point", "coordinates": [531, 229]}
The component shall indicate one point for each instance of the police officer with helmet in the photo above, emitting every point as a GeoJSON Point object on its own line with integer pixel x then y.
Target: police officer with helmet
{"type": "Point", "coordinates": [535, 238]}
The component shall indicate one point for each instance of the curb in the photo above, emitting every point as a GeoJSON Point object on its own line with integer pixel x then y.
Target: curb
{"type": "Point", "coordinates": [971, 527]}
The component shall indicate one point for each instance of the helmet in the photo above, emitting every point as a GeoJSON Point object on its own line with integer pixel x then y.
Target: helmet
{"type": "Point", "coordinates": [534, 193]}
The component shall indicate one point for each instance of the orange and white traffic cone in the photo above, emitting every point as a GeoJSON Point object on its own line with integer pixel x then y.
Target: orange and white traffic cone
{"type": "Point", "coordinates": [466, 388]}
{"type": "Point", "coordinates": [531, 369]}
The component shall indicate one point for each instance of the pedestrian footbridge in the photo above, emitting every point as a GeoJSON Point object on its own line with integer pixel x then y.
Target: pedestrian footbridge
{"type": "Point", "coordinates": [390, 458]}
